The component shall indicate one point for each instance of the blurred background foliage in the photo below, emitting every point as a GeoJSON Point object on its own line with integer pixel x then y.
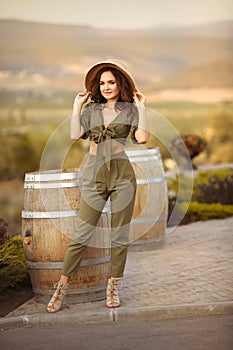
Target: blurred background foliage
{"type": "Point", "coordinates": [26, 129]}
{"type": "Point", "coordinates": [12, 261]}
{"type": "Point", "coordinates": [186, 76]}
{"type": "Point", "coordinates": [211, 196]}
{"type": "Point", "coordinates": [25, 134]}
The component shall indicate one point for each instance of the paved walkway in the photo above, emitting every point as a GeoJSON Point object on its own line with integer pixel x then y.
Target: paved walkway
{"type": "Point", "coordinates": [192, 274]}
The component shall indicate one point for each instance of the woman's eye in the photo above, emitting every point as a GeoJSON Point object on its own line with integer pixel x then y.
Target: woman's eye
{"type": "Point", "coordinates": [109, 82]}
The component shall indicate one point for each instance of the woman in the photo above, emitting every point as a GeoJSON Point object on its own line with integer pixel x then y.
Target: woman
{"type": "Point", "coordinates": [116, 109]}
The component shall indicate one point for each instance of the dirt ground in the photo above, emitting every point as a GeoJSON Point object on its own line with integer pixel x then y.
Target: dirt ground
{"type": "Point", "coordinates": [11, 298]}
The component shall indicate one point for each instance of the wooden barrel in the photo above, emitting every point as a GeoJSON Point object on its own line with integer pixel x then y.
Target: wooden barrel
{"type": "Point", "coordinates": [50, 206]}
{"type": "Point", "coordinates": [149, 222]}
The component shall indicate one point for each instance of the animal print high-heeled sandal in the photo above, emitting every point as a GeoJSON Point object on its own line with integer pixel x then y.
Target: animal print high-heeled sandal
{"type": "Point", "coordinates": [112, 293]}
{"type": "Point", "coordinates": [57, 299]}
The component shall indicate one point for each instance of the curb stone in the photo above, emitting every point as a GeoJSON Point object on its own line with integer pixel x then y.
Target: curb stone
{"type": "Point", "coordinates": [122, 314]}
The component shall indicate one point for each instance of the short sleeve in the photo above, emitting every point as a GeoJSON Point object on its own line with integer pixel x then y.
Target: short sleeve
{"type": "Point", "coordinates": [85, 121]}
{"type": "Point", "coordinates": [134, 123]}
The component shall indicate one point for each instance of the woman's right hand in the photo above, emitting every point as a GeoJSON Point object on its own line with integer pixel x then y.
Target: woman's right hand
{"type": "Point", "coordinates": [79, 100]}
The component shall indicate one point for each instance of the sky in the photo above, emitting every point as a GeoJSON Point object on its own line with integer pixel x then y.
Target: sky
{"type": "Point", "coordinates": [127, 14]}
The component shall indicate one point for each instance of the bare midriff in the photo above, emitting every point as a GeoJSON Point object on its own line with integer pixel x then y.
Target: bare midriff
{"type": "Point", "coordinates": [116, 147]}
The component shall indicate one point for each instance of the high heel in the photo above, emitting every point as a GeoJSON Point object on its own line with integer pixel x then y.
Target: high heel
{"type": "Point", "coordinates": [57, 299]}
{"type": "Point", "coordinates": [112, 293]}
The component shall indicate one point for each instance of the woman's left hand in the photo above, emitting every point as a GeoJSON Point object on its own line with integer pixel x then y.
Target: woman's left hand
{"type": "Point", "coordinates": [139, 98]}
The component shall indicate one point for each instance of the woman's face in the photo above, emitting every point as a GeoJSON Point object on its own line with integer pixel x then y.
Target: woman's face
{"type": "Point", "coordinates": [108, 87]}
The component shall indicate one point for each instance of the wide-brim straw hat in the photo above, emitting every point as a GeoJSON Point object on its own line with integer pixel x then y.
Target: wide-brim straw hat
{"type": "Point", "coordinates": [113, 63]}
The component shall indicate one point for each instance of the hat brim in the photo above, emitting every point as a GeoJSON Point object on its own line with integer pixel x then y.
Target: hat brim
{"type": "Point", "coordinates": [90, 75]}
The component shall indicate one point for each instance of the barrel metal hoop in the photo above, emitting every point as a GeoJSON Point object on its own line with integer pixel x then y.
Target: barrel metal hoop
{"type": "Point", "coordinates": [148, 219]}
{"type": "Point", "coordinates": [52, 177]}
{"type": "Point", "coordinates": [144, 159]}
{"type": "Point", "coordinates": [52, 185]}
{"type": "Point", "coordinates": [57, 214]}
{"type": "Point", "coordinates": [150, 181]}
{"type": "Point", "coordinates": [79, 184]}
{"type": "Point", "coordinates": [48, 214]}
{"type": "Point", "coordinates": [147, 241]}
{"type": "Point", "coordinates": [40, 265]}
{"type": "Point", "coordinates": [142, 152]}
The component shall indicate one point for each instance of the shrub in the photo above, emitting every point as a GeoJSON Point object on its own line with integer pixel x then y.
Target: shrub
{"type": "Point", "coordinates": [189, 144]}
{"type": "Point", "coordinates": [12, 263]}
{"type": "Point", "coordinates": [3, 231]}
{"type": "Point", "coordinates": [203, 211]}
{"type": "Point", "coordinates": [214, 187]}
{"type": "Point", "coordinates": [180, 187]}
{"type": "Point", "coordinates": [211, 198]}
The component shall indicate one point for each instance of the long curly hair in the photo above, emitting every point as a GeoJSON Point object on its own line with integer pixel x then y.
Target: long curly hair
{"type": "Point", "coordinates": [125, 95]}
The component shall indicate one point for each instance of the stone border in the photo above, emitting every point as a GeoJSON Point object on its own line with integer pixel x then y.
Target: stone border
{"type": "Point", "coordinates": [122, 314]}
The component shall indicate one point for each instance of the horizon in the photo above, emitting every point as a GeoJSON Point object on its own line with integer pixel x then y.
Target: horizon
{"type": "Point", "coordinates": [119, 15]}
{"type": "Point", "coordinates": [161, 26]}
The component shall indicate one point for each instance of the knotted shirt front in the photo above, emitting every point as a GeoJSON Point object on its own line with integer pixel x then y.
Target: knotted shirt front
{"type": "Point", "coordinates": [124, 124]}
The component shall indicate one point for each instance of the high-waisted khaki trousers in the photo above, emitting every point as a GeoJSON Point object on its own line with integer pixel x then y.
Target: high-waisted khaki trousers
{"type": "Point", "coordinates": [99, 184]}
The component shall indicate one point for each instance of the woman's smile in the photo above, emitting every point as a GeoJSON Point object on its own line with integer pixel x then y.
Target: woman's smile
{"type": "Point", "coordinates": [107, 93]}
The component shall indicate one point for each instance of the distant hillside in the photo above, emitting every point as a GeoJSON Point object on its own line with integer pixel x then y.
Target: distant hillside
{"type": "Point", "coordinates": [57, 56]}
{"type": "Point", "coordinates": [217, 74]}
{"type": "Point", "coordinates": [222, 29]}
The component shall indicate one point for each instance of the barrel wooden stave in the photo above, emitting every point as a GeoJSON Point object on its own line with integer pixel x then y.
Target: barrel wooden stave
{"type": "Point", "coordinates": [50, 237]}
{"type": "Point", "coordinates": [149, 222]}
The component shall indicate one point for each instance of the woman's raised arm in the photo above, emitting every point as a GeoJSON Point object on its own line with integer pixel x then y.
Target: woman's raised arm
{"type": "Point", "coordinates": [76, 129]}
{"type": "Point", "coordinates": [142, 134]}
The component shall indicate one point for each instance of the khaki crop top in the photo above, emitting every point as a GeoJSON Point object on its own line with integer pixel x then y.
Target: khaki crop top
{"type": "Point", "coordinates": [125, 123]}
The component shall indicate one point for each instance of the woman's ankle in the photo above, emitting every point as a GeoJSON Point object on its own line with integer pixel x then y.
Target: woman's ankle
{"type": "Point", "coordinates": [65, 279]}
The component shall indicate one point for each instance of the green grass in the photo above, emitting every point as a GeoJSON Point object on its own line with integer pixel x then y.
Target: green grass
{"type": "Point", "coordinates": [37, 120]}
{"type": "Point", "coordinates": [189, 116]}
{"type": "Point", "coordinates": [211, 121]}
{"type": "Point", "coordinates": [40, 119]}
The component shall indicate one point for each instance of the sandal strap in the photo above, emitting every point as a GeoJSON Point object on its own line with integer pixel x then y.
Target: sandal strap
{"type": "Point", "coordinates": [58, 296]}
{"type": "Point", "coordinates": [112, 292]}
{"type": "Point", "coordinates": [61, 289]}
